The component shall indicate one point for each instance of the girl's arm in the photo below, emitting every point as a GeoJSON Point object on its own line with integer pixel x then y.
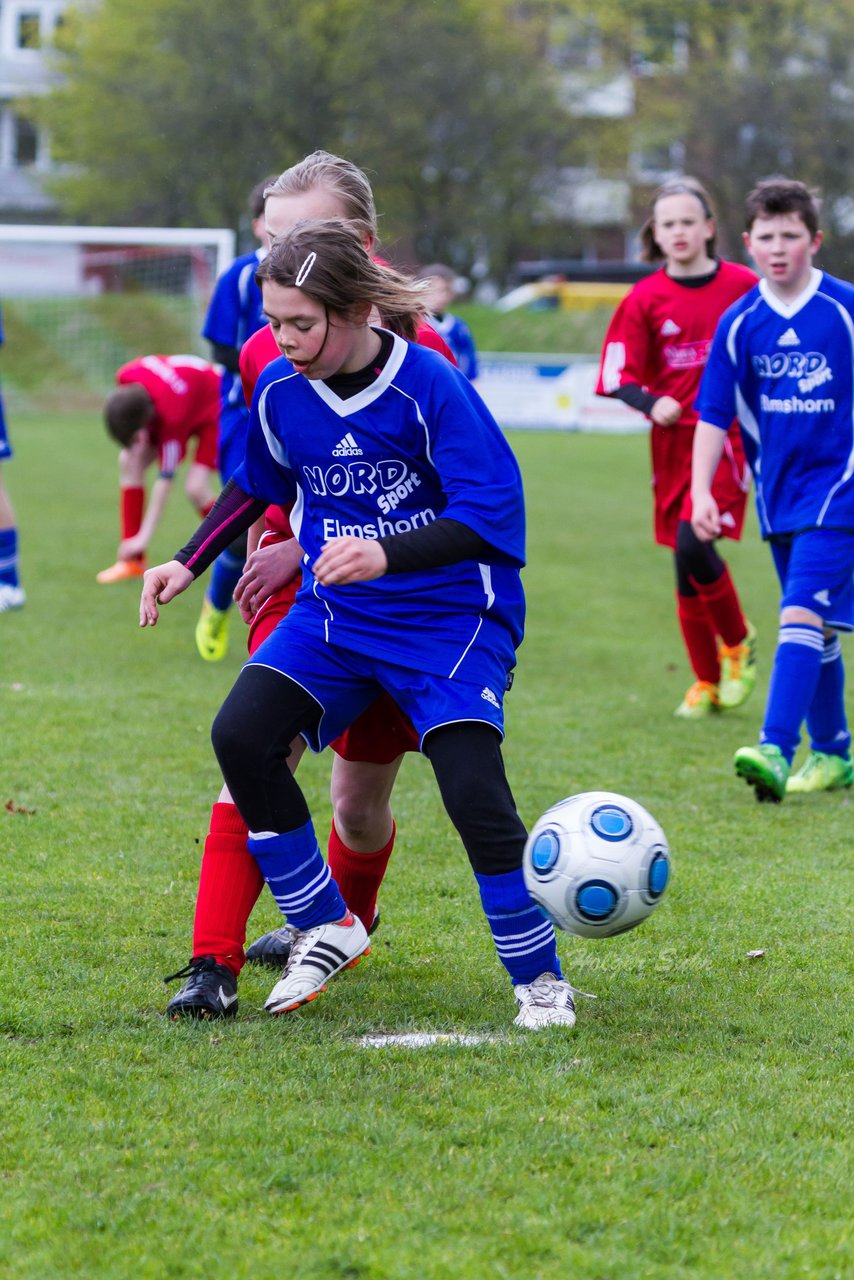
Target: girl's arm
{"type": "Point", "coordinates": [708, 447]}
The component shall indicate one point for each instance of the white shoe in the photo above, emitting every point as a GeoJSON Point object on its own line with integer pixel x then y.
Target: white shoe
{"type": "Point", "coordinates": [545, 1002]}
{"type": "Point", "coordinates": [316, 956]}
{"type": "Point", "coordinates": [11, 597]}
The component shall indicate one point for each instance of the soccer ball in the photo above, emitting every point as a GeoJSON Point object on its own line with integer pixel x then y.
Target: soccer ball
{"type": "Point", "coordinates": [597, 863]}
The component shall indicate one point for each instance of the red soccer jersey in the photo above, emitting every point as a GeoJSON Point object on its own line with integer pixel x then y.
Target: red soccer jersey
{"type": "Point", "coordinates": [660, 334]}
{"type": "Point", "coordinates": [185, 393]}
{"type": "Point", "coordinates": [659, 339]}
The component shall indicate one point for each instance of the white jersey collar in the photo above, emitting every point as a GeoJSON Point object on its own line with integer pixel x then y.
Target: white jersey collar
{"type": "Point", "coordinates": [789, 309]}
{"type": "Point", "coordinates": [344, 408]}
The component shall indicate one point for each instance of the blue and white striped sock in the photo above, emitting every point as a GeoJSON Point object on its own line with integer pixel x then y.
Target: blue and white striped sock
{"type": "Point", "coordinates": [9, 557]}
{"type": "Point", "coordinates": [795, 675]}
{"type": "Point", "coordinates": [299, 879]}
{"type": "Point", "coordinates": [524, 937]}
{"type": "Point", "coordinates": [826, 719]}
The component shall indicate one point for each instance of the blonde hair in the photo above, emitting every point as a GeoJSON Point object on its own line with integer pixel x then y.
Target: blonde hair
{"type": "Point", "coordinates": [341, 178]}
{"type": "Point", "coordinates": [326, 259]}
{"type": "Point", "coordinates": [650, 252]}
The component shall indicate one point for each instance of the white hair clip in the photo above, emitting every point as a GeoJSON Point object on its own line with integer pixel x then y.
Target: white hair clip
{"type": "Point", "coordinates": [302, 274]}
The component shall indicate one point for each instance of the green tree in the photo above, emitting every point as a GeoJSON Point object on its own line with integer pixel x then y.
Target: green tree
{"type": "Point", "coordinates": [169, 112]}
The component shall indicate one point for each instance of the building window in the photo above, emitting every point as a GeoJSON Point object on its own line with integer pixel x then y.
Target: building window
{"type": "Point", "coordinates": [25, 144]}
{"type": "Point", "coordinates": [29, 32]}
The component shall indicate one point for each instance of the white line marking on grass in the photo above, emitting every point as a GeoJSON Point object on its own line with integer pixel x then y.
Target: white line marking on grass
{"type": "Point", "coordinates": [425, 1040]}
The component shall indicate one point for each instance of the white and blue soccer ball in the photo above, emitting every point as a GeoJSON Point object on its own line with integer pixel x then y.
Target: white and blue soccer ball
{"type": "Point", "coordinates": [597, 864]}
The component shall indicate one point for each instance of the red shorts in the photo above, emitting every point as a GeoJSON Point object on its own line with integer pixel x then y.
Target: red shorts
{"type": "Point", "coordinates": [381, 733]}
{"type": "Point", "coordinates": [672, 449]}
{"type": "Point", "coordinates": [207, 446]}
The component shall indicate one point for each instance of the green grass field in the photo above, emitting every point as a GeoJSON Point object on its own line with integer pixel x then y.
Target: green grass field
{"type": "Point", "coordinates": [695, 1123]}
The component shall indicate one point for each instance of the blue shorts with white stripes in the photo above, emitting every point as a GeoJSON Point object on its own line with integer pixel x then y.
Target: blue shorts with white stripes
{"type": "Point", "coordinates": [816, 572]}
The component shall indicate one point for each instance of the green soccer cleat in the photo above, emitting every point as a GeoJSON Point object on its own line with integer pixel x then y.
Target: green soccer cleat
{"type": "Point", "coordinates": [765, 768]}
{"type": "Point", "coordinates": [700, 701]}
{"type": "Point", "coordinates": [738, 670]}
{"type": "Point", "coordinates": [822, 772]}
{"type": "Point", "coordinates": [212, 633]}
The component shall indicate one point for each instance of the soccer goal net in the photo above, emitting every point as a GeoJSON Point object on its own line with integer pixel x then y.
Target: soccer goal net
{"type": "Point", "coordinates": [83, 300]}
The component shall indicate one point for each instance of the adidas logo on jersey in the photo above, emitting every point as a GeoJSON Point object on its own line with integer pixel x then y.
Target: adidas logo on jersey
{"type": "Point", "coordinates": [789, 339]}
{"type": "Point", "coordinates": [489, 696]}
{"type": "Point", "coordinates": [347, 447]}
{"type": "Point", "coordinates": [669, 328]}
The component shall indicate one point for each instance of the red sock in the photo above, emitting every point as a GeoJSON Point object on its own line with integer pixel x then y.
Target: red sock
{"type": "Point", "coordinates": [723, 607]}
{"type": "Point", "coordinates": [229, 884]}
{"type": "Point", "coordinates": [131, 506]}
{"type": "Point", "coordinates": [359, 875]}
{"type": "Point", "coordinates": [207, 508]}
{"type": "Point", "coordinates": [699, 636]}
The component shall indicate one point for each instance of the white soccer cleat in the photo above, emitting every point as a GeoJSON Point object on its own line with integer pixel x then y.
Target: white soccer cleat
{"type": "Point", "coordinates": [11, 597]}
{"type": "Point", "coordinates": [316, 956]}
{"type": "Point", "coordinates": [545, 1002]}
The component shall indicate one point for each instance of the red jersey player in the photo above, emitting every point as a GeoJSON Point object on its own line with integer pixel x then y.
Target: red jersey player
{"type": "Point", "coordinates": [655, 351]}
{"type": "Point", "coordinates": [369, 754]}
{"type": "Point", "coordinates": [161, 404]}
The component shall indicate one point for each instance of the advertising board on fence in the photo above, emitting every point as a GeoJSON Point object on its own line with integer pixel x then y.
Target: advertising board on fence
{"type": "Point", "coordinates": [549, 392]}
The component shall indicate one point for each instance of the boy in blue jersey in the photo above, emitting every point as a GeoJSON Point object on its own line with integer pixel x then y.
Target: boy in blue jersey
{"type": "Point", "coordinates": [457, 334]}
{"type": "Point", "coordinates": [235, 313]}
{"type": "Point", "coordinates": [408, 506]}
{"type": "Point", "coordinates": [783, 362]}
{"type": "Point", "coordinates": [11, 591]}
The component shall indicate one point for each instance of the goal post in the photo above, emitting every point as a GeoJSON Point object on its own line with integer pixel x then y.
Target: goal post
{"type": "Point", "coordinates": [91, 298]}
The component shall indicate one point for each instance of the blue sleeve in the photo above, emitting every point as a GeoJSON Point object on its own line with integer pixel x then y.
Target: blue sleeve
{"type": "Point", "coordinates": [716, 403]}
{"type": "Point", "coordinates": [265, 472]}
{"type": "Point", "coordinates": [477, 468]}
{"type": "Point", "coordinates": [223, 317]}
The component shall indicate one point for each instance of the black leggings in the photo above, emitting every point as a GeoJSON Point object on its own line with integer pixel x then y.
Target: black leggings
{"type": "Point", "coordinates": [696, 562]}
{"type": "Point", "coordinates": [266, 710]}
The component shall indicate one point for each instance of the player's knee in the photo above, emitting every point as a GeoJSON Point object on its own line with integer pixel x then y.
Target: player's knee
{"type": "Point", "coordinates": [237, 745]}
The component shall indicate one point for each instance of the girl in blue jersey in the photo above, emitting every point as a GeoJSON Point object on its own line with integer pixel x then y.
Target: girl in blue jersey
{"type": "Point", "coordinates": [408, 506]}
{"type": "Point", "coordinates": [783, 360]}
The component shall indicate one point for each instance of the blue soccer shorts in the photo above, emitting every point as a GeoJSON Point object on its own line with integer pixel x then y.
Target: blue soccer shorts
{"type": "Point", "coordinates": [344, 683]}
{"type": "Point", "coordinates": [816, 571]}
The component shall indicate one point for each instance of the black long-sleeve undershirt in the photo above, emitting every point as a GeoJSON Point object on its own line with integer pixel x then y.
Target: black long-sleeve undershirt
{"type": "Point", "coordinates": [443, 542]}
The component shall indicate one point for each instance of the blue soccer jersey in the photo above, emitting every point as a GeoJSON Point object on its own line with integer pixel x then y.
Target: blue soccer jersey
{"type": "Point", "coordinates": [459, 338]}
{"type": "Point", "coordinates": [418, 443]}
{"type": "Point", "coordinates": [786, 370]}
{"type": "Point", "coordinates": [236, 311]}
{"type": "Point", "coordinates": [5, 446]}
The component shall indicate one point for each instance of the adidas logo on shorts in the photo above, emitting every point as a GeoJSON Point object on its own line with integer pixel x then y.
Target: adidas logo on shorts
{"type": "Point", "coordinates": [489, 696]}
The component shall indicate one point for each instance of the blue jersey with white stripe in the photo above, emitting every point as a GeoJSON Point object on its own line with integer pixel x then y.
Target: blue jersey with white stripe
{"type": "Point", "coordinates": [786, 370]}
{"type": "Point", "coordinates": [235, 312]}
{"type": "Point", "coordinates": [418, 443]}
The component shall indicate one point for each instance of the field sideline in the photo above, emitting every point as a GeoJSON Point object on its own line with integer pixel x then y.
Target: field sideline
{"type": "Point", "coordinates": [694, 1123]}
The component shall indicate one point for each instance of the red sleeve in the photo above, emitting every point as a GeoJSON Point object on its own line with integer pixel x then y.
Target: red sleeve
{"type": "Point", "coordinates": [255, 354]}
{"type": "Point", "coordinates": [426, 336]}
{"type": "Point", "coordinates": [625, 355]}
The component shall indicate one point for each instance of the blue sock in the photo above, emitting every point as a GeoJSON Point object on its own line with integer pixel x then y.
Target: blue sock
{"type": "Point", "coordinates": [523, 935]}
{"type": "Point", "coordinates": [299, 879]}
{"type": "Point", "coordinates": [9, 557]}
{"type": "Point", "coordinates": [826, 720]}
{"type": "Point", "coordinates": [797, 666]}
{"type": "Point", "coordinates": [225, 574]}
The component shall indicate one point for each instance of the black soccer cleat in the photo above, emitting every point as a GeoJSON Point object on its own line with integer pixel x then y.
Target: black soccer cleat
{"type": "Point", "coordinates": [209, 992]}
{"type": "Point", "coordinates": [274, 948]}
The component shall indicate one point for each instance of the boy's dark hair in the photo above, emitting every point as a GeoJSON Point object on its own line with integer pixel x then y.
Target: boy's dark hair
{"type": "Point", "coordinates": [439, 270]}
{"type": "Point", "coordinates": [685, 186]}
{"type": "Point", "coordinates": [126, 411]}
{"type": "Point", "coordinates": [256, 197]}
{"type": "Point", "coordinates": [783, 195]}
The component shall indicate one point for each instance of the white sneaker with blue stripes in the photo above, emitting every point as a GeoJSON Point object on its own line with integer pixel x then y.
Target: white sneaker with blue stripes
{"type": "Point", "coordinates": [545, 1002]}
{"type": "Point", "coordinates": [316, 956]}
